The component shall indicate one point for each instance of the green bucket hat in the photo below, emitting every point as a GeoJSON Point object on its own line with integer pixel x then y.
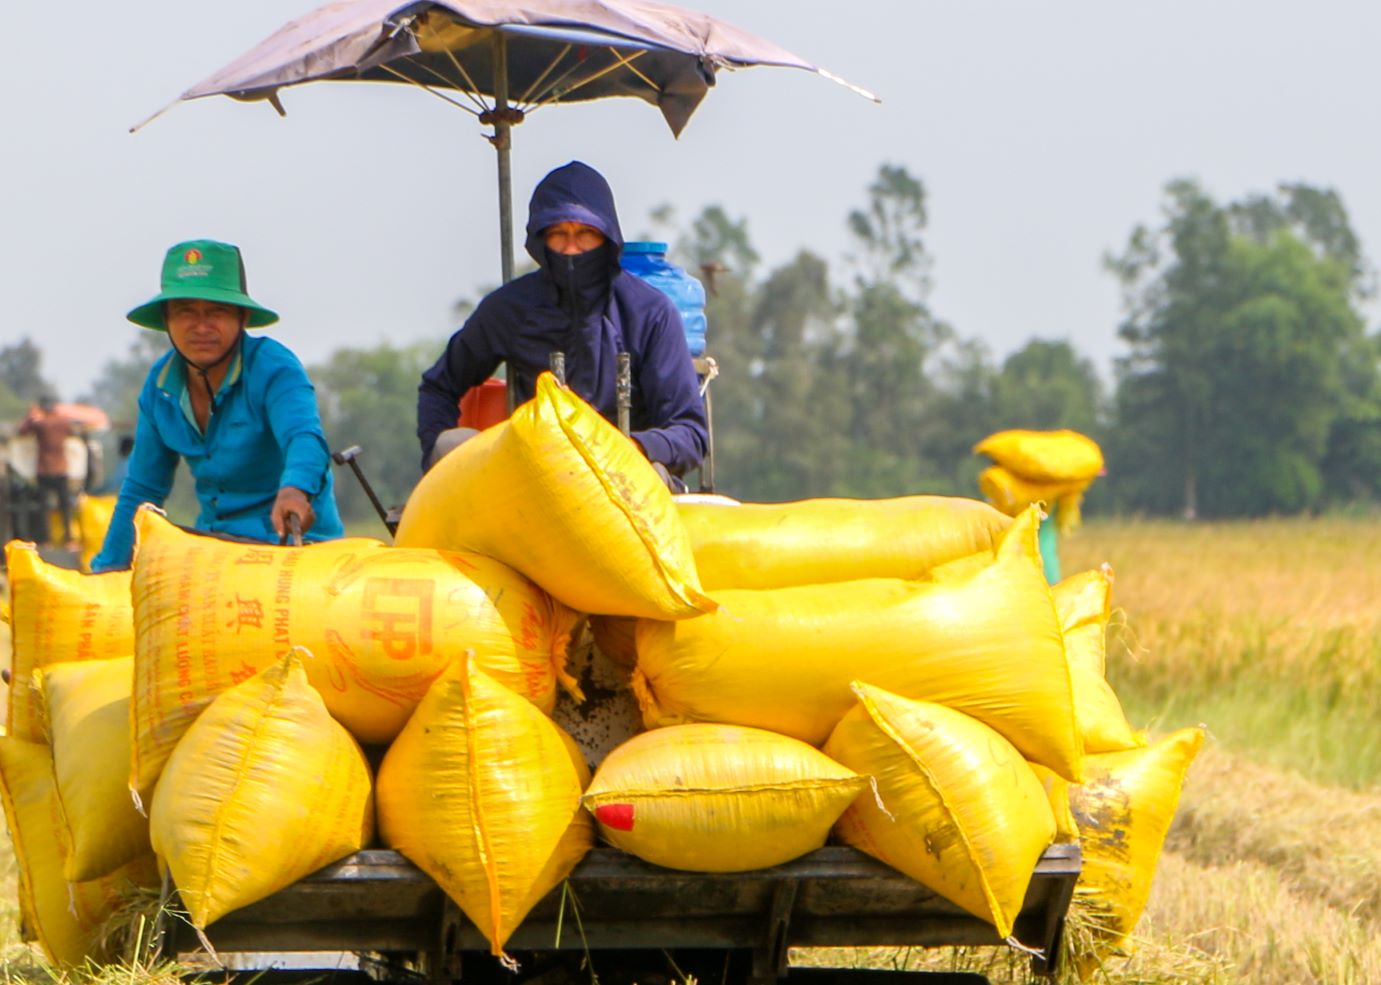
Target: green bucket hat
{"type": "Point", "coordinates": [206, 270]}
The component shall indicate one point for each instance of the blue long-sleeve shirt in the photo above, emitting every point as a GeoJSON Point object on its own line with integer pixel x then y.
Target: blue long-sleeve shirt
{"type": "Point", "coordinates": [264, 433]}
{"type": "Point", "coordinates": [526, 320]}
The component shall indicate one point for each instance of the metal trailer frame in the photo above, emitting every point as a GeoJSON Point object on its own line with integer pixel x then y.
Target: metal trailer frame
{"type": "Point", "coordinates": [377, 901]}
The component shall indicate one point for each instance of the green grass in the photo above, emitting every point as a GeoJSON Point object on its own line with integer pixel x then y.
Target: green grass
{"type": "Point", "coordinates": [1314, 732]}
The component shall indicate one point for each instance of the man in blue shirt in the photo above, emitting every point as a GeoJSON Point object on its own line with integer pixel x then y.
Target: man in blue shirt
{"type": "Point", "coordinates": [579, 302]}
{"type": "Point", "coordinates": [238, 409]}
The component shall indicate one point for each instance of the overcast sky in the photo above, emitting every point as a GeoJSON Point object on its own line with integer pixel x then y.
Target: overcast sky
{"type": "Point", "coordinates": [1043, 131]}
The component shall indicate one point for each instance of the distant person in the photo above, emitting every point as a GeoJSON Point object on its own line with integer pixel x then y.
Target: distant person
{"type": "Point", "coordinates": [51, 429]}
{"type": "Point", "coordinates": [110, 485]}
{"type": "Point", "coordinates": [579, 302]}
{"type": "Point", "coordinates": [238, 409]}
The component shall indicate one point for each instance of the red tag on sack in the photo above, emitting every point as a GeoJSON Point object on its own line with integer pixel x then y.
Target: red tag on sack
{"type": "Point", "coordinates": [616, 816]}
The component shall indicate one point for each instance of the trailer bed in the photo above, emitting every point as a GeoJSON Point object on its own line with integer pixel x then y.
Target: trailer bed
{"type": "Point", "coordinates": [377, 901]}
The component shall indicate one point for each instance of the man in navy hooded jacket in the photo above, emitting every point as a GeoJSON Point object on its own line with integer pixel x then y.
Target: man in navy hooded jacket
{"type": "Point", "coordinates": [580, 302]}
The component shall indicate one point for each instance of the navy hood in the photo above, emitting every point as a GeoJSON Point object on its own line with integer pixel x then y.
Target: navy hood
{"type": "Point", "coordinates": [574, 192]}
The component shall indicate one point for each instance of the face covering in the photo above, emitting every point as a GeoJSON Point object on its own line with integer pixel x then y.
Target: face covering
{"type": "Point", "coordinates": [582, 279]}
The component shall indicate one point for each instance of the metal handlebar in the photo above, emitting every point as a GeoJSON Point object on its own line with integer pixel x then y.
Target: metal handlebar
{"type": "Point", "coordinates": [293, 535]}
{"type": "Point", "coordinates": [348, 457]}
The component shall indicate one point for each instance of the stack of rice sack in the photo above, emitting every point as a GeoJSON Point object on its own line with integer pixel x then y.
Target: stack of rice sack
{"type": "Point", "coordinates": [771, 658]}
{"type": "Point", "coordinates": [80, 847]}
{"type": "Point", "coordinates": [261, 671]}
{"type": "Point", "coordinates": [910, 644]}
{"type": "Point", "coordinates": [939, 689]}
{"type": "Point", "coordinates": [207, 710]}
{"type": "Point", "coordinates": [252, 674]}
{"type": "Point", "coordinates": [1049, 467]}
{"type": "Point", "coordinates": [896, 672]}
{"type": "Point", "coordinates": [93, 515]}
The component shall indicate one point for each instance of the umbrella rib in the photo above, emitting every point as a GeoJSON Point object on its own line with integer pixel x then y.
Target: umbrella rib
{"type": "Point", "coordinates": [465, 75]}
{"type": "Point", "coordinates": [422, 85]}
{"type": "Point", "coordinates": [450, 83]}
{"type": "Point", "coordinates": [545, 72]}
{"type": "Point", "coordinates": [551, 86]}
{"type": "Point", "coordinates": [650, 84]}
{"type": "Point", "coordinates": [619, 62]}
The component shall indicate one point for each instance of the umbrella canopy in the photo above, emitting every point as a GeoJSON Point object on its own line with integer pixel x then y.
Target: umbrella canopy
{"type": "Point", "coordinates": [91, 418]}
{"type": "Point", "coordinates": [521, 55]}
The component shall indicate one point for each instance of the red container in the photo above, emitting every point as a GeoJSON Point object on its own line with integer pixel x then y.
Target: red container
{"type": "Point", "coordinates": [485, 405]}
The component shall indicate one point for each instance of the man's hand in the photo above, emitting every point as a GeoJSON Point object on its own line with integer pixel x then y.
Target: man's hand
{"type": "Point", "coordinates": [672, 482]}
{"type": "Point", "coordinates": [291, 500]}
{"type": "Point", "coordinates": [448, 441]}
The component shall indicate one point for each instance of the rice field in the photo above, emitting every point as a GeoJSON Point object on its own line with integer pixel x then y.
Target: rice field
{"type": "Point", "coordinates": [1269, 634]}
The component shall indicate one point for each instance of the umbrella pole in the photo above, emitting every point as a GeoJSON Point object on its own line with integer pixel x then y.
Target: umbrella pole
{"type": "Point", "coordinates": [503, 143]}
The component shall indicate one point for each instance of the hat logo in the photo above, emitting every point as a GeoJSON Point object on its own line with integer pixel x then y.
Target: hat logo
{"type": "Point", "coordinates": [193, 256]}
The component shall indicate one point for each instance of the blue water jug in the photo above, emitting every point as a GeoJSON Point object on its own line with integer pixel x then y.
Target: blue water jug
{"type": "Point", "coordinates": [649, 261]}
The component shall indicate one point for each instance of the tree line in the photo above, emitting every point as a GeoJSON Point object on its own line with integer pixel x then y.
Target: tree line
{"type": "Point", "coordinates": [1250, 382]}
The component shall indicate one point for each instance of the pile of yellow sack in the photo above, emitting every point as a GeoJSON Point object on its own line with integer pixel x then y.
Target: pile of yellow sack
{"type": "Point", "coordinates": [89, 521]}
{"type": "Point", "coordinates": [65, 752]}
{"type": "Point", "coordinates": [971, 693]}
{"type": "Point", "coordinates": [1053, 468]}
{"type": "Point", "coordinates": [894, 674]}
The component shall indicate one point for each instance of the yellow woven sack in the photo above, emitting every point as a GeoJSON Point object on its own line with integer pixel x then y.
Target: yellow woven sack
{"type": "Point", "coordinates": [64, 917]}
{"type": "Point", "coordinates": [1044, 456]}
{"type": "Point", "coordinates": [264, 788]}
{"type": "Point", "coordinates": [482, 792]}
{"type": "Point", "coordinates": [382, 623]}
{"type": "Point", "coordinates": [56, 535]}
{"type": "Point", "coordinates": [6, 638]}
{"type": "Point", "coordinates": [1124, 809]}
{"type": "Point", "coordinates": [813, 541]}
{"type": "Point", "coordinates": [718, 798]}
{"type": "Point", "coordinates": [1011, 494]}
{"type": "Point", "coordinates": [558, 493]}
{"type": "Point", "coordinates": [957, 809]}
{"type": "Point", "coordinates": [1057, 793]}
{"type": "Point", "coordinates": [57, 614]}
{"type": "Point", "coordinates": [782, 659]}
{"type": "Point", "coordinates": [616, 637]}
{"type": "Point", "coordinates": [88, 716]}
{"type": "Point", "coordinates": [93, 520]}
{"type": "Point", "coordinates": [1083, 602]}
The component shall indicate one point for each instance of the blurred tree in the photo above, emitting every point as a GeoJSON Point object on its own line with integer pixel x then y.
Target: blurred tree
{"type": "Point", "coordinates": [889, 338]}
{"type": "Point", "coordinates": [21, 373]}
{"type": "Point", "coordinates": [961, 414]}
{"type": "Point", "coordinates": [793, 450]}
{"type": "Point", "coordinates": [887, 233]}
{"type": "Point", "coordinates": [12, 406]}
{"type": "Point", "coordinates": [662, 227]}
{"type": "Point", "coordinates": [717, 241]}
{"type": "Point", "coordinates": [1047, 385]}
{"type": "Point", "coordinates": [116, 390]}
{"type": "Point", "coordinates": [1352, 464]}
{"type": "Point", "coordinates": [1245, 344]}
{"type": "Point", "coordinates": [368, 397]}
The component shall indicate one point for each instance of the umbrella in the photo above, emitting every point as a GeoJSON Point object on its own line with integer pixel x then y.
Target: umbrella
{"type": "Point", "coordinates": [91, 418]}
{"type": "Point", "coordinates": [521, 54]}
